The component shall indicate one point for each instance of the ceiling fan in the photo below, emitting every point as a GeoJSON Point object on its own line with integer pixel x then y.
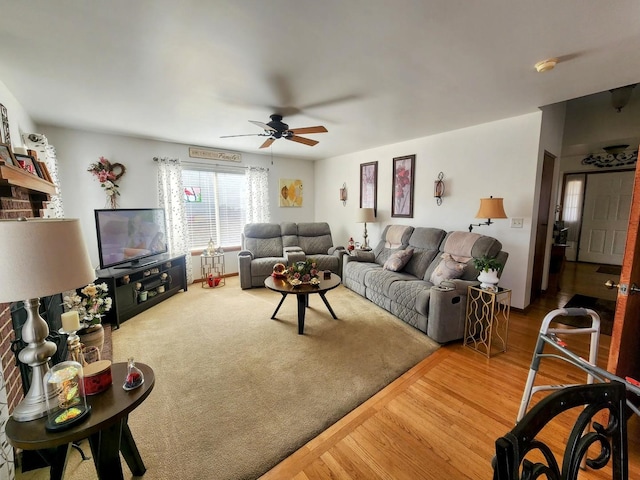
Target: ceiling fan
{"type": "Point", "coordinates": [276, 128]}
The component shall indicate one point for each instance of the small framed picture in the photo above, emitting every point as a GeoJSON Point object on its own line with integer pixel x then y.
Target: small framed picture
{"type": "Point", "coordinates": [403, 176]}
{"type": "Point", "coordinates": [6, 155]}
{"type": "Point", "coordinates": [29, 164]}
{"type": "Point", "coordinates": [369, 185]}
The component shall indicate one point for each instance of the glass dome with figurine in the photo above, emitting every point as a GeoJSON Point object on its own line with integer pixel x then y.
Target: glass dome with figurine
{"type": "Point", "coordinates": [69, 405]}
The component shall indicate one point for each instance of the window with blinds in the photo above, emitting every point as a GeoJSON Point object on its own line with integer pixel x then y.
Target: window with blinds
{"type": "Point", "coordinates": [216, 205]}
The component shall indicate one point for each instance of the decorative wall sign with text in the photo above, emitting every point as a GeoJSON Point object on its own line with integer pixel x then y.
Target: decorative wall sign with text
{"type": "Point", "coordinates": [209, 154]}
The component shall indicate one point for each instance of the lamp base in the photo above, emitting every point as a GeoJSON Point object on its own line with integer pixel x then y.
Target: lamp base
{"type": "Point", "coordinates": [36, 354]}
{"type": "Point", "coordinates": [32, 408]}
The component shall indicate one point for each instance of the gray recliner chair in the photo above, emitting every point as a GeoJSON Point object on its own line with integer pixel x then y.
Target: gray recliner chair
{"type": "Point", "coordinates": [314, 239]}
{"type": "Point", "coordinates": [261, 250]}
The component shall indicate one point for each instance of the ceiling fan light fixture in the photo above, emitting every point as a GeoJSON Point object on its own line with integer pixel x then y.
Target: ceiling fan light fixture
{"type": "Point", "coordinates": [615, 149]}
{"type": "Point", "coordinates": [546, 65]}
{"type": "Point", "coordinates": [621, 96]}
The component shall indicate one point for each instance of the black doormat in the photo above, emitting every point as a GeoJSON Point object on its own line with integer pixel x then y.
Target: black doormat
{"type": "Point", "coordinates": [606, 309]}
{"type": "Point", "coordinates": [610, 269]}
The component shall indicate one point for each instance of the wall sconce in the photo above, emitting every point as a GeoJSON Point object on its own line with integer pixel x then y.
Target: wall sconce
{"type": "Point", "coordinates": [489, 208]}
{"type": "Point", "coordinates": [438, 189]}
{"type": "Point", "coordinates": [343, 194]}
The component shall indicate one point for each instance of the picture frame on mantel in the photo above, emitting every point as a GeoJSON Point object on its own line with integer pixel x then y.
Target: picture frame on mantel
{"type": "Point", "coordinates": [6, 155]}
{"type": "Point", "coordinates": [403, 182]}
{"type": "Point", "coordinates": [369, 185]}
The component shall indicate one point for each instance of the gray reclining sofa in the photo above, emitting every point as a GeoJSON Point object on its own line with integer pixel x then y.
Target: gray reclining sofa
{"type": "Point", "coordinates": [265, 244]}
{"type": "Point", "coordinates": [428, 291]}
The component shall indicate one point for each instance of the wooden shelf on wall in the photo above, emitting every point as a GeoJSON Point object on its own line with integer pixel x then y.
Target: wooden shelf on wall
{"type": "Point", "coordinates": [10, 175]}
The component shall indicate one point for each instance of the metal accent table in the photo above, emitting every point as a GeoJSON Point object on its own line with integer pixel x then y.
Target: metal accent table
{"type": "Point", "coordinates": [487, 320]}
{"type": "Point", "coordinates": [212, 265]}
{"type": "Point", "coordinates": [107, 429]}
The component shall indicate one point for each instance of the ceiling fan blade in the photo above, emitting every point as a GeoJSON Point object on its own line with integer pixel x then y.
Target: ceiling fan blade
{"type": "Point", "coordinates": [267, 142]}
{"type": "Point", "coordinates": [246, 135]}
{"type": "Point", "coordinates": [306, 141]}
{"type": "Point", "coordinates": [318, 129]}
{"type": "Point", "coordinates": [264, 126]}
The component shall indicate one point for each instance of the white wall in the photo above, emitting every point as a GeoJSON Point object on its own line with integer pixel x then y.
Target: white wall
{"type": "Point", "coordinates": [498, 158]}
{"type": "Point", "coordinates": [81, 192]}
{"type": "Point", "coordinates": [19, 121]}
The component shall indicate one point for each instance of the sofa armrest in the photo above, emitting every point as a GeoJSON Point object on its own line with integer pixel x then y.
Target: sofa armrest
{"type": "Point", "coordinates": [294, 248]}
{"type": "Point", "coordinates": [447, 311]}
{"type": "Point", "coordinates": [337, 251]}
{"type": "Point", "coordinates": [244, 268]}
{"type": "Point", "coordinates": [245, 253]}
{"type": "Point", "coordinates": [364, 256]}
{"type": "Point", "coordinates": [294, 256]}
{"type": "Point", "coordinates": [460, 286]}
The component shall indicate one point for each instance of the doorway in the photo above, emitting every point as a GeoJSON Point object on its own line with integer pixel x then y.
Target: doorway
{"type": "Point", "coordinates": [595, 212]}
{"type": "Point", "coordinates": [542, 227]}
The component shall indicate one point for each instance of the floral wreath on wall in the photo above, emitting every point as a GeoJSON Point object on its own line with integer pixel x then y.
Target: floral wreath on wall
{"type": "Point", "coordinates": [107, 173]}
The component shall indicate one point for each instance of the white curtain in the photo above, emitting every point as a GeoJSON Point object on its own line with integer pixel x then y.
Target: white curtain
{"type": "Point", "coordinates": [258, 195]}
{"type": "Point", "coordinates": [171, 198]}
{"type": "Point", "coordinates": [47, 154]}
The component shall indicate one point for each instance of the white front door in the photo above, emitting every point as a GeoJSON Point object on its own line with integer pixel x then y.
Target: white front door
{"type": "Point", "coordinates": [605, 217]}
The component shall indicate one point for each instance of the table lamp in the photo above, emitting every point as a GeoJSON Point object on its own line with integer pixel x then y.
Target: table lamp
{"type": "Point", "coordinates": [366, 215]}
{"type": "Point", "coordinates": [38, 258]}
{"type": "Point", "coordinates": [489, 208]}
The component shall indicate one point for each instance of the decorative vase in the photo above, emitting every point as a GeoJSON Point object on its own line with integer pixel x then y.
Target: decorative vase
{"type": "Point", "coordinates": [489, 279]}
{"type": "Point", "coordinates": [92, 336]}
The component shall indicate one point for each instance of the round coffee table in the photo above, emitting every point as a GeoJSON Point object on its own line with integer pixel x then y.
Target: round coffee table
{"type": "Point", "coordinates": [302, 293]}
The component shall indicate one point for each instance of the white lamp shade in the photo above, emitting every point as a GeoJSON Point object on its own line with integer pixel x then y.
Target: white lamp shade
{"type": "Point", "coordinates": [41, 257]}
{"type": "Point", "coordinates": [366, 215]}
{"type": "Point", "coordinates": [491, 208]}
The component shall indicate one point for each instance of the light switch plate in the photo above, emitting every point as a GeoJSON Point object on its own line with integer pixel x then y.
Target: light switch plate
{"type": "Point", "coordinates": [517, 222]}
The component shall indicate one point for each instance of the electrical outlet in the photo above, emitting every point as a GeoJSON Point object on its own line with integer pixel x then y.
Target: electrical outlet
{"type": "Point", "coordinates": [517, 222]}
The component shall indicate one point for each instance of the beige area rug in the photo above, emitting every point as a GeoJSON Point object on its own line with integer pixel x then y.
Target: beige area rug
{"type": "Point", "coordinates": [237, 392]}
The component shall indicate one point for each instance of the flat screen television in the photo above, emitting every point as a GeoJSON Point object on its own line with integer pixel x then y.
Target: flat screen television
{"type": "Point", "coordinates": [128, 236]}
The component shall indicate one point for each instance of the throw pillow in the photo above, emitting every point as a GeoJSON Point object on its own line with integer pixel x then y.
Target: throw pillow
{"type": "Point", "coordinates": [447, 269]}
{"type": "Point", "coordinates": [398, 260]}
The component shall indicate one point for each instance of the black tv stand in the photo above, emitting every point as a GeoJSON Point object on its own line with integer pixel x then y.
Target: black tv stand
{"type": "Point", "coordinates": [160, 277]}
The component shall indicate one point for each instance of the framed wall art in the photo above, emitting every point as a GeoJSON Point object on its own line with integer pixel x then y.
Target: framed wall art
{"type": "Point", "coordinates": [290, 192]}
{"type": "Point", "coordinates": [369, 185]}
{"type": "Point", "coordinates": [6, 155]}
{"type": "Point", "coordinates": [402, 191]}
{"type": "Point", "coordinates": [5, 125]}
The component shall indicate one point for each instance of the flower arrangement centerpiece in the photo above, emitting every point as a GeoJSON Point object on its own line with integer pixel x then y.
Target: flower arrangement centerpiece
{"type": "Point", "coordinates": [107, 174]}
{"type": "Point", "coordinates": [303, 272]}
{"type": "Point", "coordinates": [91, 303]}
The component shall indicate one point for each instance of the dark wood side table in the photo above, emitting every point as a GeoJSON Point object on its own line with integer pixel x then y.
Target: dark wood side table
{"type": "Point", "coordinates": [106, 428]}
{"type": "Point", "coordinates": [302, 293]}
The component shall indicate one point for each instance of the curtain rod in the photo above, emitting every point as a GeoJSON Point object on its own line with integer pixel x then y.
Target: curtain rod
{"type": "Point", "coordinates": [243, 167]}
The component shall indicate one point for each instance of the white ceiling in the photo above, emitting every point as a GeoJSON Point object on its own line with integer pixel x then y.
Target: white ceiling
{"type": "Point", "coordinates": [374, 72]}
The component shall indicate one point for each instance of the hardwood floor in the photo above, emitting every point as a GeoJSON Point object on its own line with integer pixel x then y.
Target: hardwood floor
{"type": "Point", "coordinates": [440, 419]}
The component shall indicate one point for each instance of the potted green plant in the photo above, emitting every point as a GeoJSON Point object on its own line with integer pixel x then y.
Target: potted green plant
{"type": "Point", "coordinates": [489, 267]}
